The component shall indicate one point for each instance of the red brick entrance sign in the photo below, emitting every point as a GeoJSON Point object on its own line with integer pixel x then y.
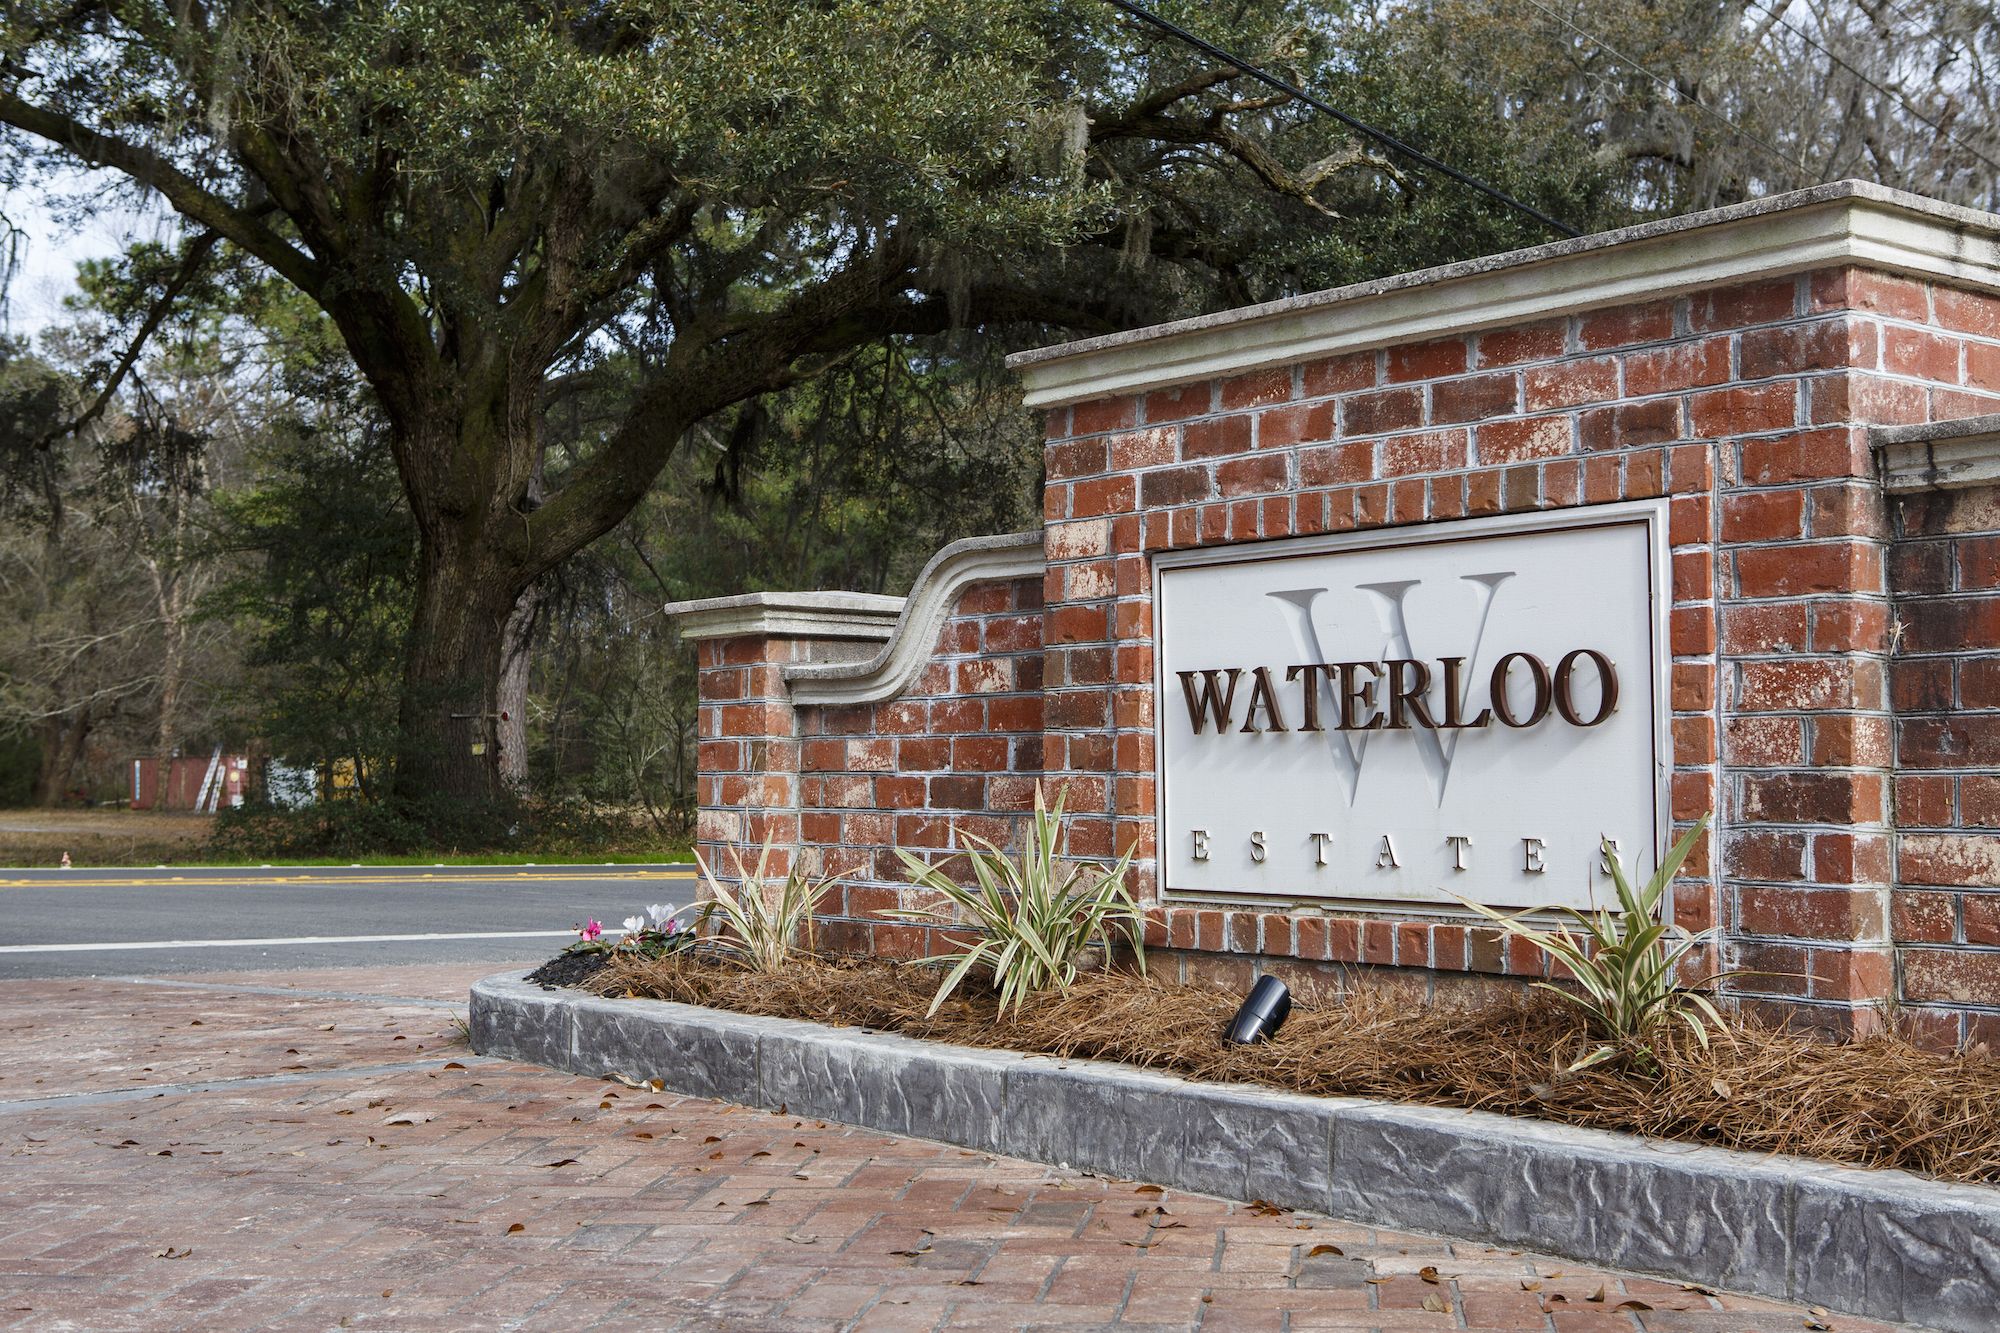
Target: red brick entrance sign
{"type": "Point", "coordinates": [1799, 379]}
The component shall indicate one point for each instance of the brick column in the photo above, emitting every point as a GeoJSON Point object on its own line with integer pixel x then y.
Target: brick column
{"type": "Point", "coordinates": [747, 728]}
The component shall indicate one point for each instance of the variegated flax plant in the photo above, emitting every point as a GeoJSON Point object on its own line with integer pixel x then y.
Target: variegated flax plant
{"type": "Point", "coordinates": [766, 922]}
{"type": "Point", "coordinates": [1034, 917]}
{"type": "Point", "coordinates": [1626, 963]}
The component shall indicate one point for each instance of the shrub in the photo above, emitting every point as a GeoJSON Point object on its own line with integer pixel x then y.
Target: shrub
{"type": "Point", "coordinates": [1626, 963]}
{"type": "Point", "coordinates": [763, 919]}
{"type": "Point", "coordinates": [1036, 917]}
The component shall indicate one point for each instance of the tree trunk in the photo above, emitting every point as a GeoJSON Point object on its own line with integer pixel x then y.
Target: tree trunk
{"type": "Point", "coordinates": [515, 659]}
{"type": "Point", "coordinates": [448, 742]}
{"type": "Point", "coordinates": [63, 740]}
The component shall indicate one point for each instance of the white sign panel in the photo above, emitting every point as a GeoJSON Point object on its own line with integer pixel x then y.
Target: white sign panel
{"type": "Point", "coordinates": [1462, 709]}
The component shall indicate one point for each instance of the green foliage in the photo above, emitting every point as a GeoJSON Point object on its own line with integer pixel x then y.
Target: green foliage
{"type": "Point", "coordinates": [552, 829]}
{"type": "Point", "coordinates": [1626, 963]}
{"type": "Point", "coordinates": [323, 601]}
{"type": "Point", "coordinates": [1037, 916]}
{"type": "Point", "coordinates": [765, 921]}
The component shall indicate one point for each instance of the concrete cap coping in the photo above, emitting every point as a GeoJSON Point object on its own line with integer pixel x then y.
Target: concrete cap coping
{"type": "Point", "coordinates": [1851, 221]}
{"type": "Point", "coordinates": [796, 615]}
{"type": "Point", "coordinates": [1939, 455]}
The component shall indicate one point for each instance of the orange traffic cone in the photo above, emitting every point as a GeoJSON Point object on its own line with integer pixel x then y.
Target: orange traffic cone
{"type": "Point", "coordinates": [65, 864]}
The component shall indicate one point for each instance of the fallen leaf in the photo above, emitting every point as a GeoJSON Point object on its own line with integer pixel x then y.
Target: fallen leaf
{"type": "Point", "coordinates": [759, 1153]}
{"type": "Point", "coordinates": [1721, 1089]}
{"type": "Point", "coordinates": [713, 1138]}
{"type": "Point", "coordinates": [1437, 1304]}
{"type": "Point", "coordinates": [453, 1064]}
{"type": "Point", "coordinates": [164, 1152]}
{"type": "Point", "coordinates": [1377, 1281]}
{"type": "Point", "coordinates": [1597, 1295]}
{"type": "Point", "coordinates": [1149, 1189]}
{"type": "Point", "coordinates": [802, 1240]}
{"type": "Point", "coordinates": [756, 1203]}
{"type": "Point", "coordinates": [567, 1161]}
{"type": "Point", "coordinates": [1318, 1250]}
{"type": "Point", "coordinates": [1631, 1305]}
{"type": "Point", "coordinates": [1530, 1285]}
{"type": "Point", "coordinates": [171, 1253]}
{"type": "Point", "coordinates": [642, 1134]}
{"type": "Point", "coordinates": [518, 1226]}
{"type": "Point", "coordinates": [1428, 1274]}
{"type": "Point", "coordinates": [1265, 1208]}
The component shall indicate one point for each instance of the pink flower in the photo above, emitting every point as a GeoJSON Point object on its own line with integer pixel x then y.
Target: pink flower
{"type": "Point", "coordinates": [592, 930]}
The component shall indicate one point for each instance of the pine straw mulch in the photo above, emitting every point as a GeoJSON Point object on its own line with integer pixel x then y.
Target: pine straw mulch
{"type": "Point", "coordinates": [1878, 1102]}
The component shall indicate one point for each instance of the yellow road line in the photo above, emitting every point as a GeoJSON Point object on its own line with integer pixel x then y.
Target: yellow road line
{"type": "Point", "coordinates": [262, 881]}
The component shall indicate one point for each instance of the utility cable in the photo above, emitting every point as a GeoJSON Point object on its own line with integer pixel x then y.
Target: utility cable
{"type": "Point", "coordinates": [1692, 100]}
{"type": "Point", "coordinates": [1382, 137]}
{"type": "Point", "coordinates": [1904, 98]}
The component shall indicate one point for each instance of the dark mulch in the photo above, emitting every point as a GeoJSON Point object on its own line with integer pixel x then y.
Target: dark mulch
{"type": "Point", "coordinates": [1878, 1101]}
{"type": "Point", "coordinates": [569, 969]}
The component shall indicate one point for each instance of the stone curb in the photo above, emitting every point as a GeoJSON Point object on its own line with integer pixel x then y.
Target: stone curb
{"type": "Point", "coordinates": [1883, 1244]}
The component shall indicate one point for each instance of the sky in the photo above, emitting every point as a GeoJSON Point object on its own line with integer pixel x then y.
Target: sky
{"type": "Point", "coordinates": [55, 243]}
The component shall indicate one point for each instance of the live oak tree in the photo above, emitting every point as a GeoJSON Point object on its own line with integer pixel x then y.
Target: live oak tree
{"type": "Point", "coordinates": [492, 202]}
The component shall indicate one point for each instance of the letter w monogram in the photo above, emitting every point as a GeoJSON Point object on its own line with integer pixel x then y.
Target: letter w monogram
{"type": "Point", "coordinates": [1350, 749]}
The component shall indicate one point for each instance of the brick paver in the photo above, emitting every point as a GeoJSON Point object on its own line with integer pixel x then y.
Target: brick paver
{"type": "Point", "coordinates": [161, 1175]}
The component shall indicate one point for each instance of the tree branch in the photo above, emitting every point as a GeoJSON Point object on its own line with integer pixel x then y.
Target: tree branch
{"type": "Point", "coordinates": [180, 190]}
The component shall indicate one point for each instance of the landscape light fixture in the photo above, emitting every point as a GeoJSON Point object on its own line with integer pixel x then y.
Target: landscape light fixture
{"type": "Point", "coordinates": [1263, 1013]}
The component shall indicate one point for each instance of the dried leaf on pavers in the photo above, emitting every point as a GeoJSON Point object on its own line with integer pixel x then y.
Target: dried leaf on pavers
{"type": "Point", "coordinates": [759, 1153]}
{"type": "Point", "coordinates": [1529, 1284]}
{"type": "Point", "coordinates": [642, 1134]}
{"type": "Point", "coordinates": [518, 1226]}
{"type": "Point", "coordinates": [713, 1138]}
{"type": "Point", "coordinates": [1437, 1304]}
{"type": "Point", "coordinates": [453, 1064]}
{"type": "Point", "coordinates": [410, 1118]}
{"type": "Point", "coordinates": [1428, 1274]}
{"type": "Point", "coordinates": [1631, 1305]}
{"type": "Point", "coordinates": [802, 1240]}
{"type": "Point", "coordinates": [1597, 1295]}
{"type": "Point", "coordinates": [1265, 1208]}
{"type": "Point", "coordinates": [1378, 1281]}
{"type": "Point", "coordinates": [1818, 1325]}
{"type": "Point", "coordinates": [171, 1253]}
{"type": "Point", "coordinates": [1318, 1250]}
{"type": "Point", "coordinates": [567, 1161]}
{"type": "Point", "coordinates": [1149, 1189]}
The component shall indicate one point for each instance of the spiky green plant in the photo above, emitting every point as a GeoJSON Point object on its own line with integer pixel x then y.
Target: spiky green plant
{"type": "Point", "coordinates": [1035, 916]}
{"type": "Point", "coordinates": [1626, 963]}
{"type": "Point", "coordinates": [763, 918]}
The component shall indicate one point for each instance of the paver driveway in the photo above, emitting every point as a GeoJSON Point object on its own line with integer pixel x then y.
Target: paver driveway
{"type": "Point", "coordinates": [318, 1151]}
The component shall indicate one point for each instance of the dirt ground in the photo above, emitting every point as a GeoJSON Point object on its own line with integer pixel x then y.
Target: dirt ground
{"type": "Point", "coordinates": [38, 837]}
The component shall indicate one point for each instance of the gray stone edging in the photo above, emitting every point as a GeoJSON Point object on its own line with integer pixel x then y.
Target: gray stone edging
{"type": "Point", "coordinates": [1883, 1244]}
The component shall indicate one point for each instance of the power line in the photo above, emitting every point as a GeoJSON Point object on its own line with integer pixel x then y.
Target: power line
{"type": "Point", "coordinates": [1904, 98]}
{"type": "Point", "coordinates": [1696, 102]}
{"type": "Point", "coordinates": [1382, 137]}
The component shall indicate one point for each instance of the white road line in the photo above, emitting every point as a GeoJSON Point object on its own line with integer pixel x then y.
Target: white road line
{"type": "Point", "coordinates": [280, 940]}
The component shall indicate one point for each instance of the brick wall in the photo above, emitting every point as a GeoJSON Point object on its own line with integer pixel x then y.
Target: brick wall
{"type": "Point", "coordinates": [1945, 683]}
{"type": "Point", "coordinates": [1834, 682]}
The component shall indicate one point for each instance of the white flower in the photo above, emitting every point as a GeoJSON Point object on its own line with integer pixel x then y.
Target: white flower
{"type": "Point", "coordinates": [662, 915]}
{"type": "Point", "coordinates": [634, 924]}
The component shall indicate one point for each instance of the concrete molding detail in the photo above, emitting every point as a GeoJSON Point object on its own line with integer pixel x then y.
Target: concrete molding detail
{"type": "Point", "coordinates": [795, 615]}
{"type": "Point", "coordinates": [1877, 1243]}
{"type": "Point", "coordinates": [894, 669]}
{"type": "Point", "coordinates": [1939, 455]}
{"type": "Point", "coordinates": [1845, 222]}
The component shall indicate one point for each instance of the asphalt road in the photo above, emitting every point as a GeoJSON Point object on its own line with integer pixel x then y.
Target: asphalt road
{"type": "Point", "coordinates": [56, 923]}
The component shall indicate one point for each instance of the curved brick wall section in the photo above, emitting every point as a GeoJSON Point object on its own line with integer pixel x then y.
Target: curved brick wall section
{"type": "Point", "coordinates": [961, 751]}
{"type": "Point", "coordinates": [1945, 683]}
